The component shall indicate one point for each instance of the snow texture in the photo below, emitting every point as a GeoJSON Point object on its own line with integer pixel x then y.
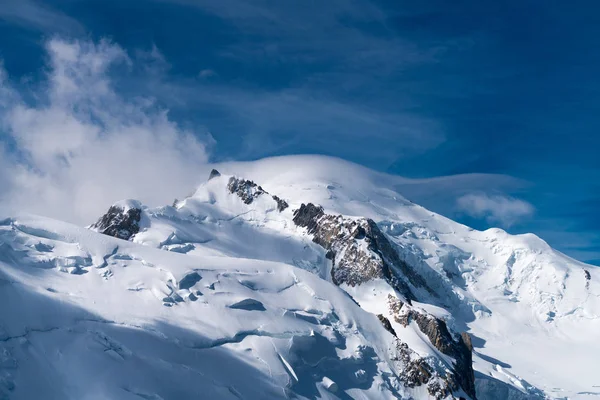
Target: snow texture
{"type": "Point", "coordinates": [226, 295]}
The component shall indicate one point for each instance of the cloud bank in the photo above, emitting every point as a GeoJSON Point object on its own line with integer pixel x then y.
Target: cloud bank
{"type": "Point", "coordinates": [74, 145]}
{"type": "Point", "coordinates": [503, 210]}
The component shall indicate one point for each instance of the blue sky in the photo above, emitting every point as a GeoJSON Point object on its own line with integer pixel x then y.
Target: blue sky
{"type": "Point", "coordinates": [505, 90]}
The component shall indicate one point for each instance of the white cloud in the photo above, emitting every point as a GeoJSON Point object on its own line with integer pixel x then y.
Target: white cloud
{"type": "Point", "coordinates": [495, 209]}
{"type": "Point", "coordinates": [82, 146]}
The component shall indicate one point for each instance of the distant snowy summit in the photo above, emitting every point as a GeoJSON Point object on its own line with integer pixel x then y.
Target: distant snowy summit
{"type": "Point", "coordinates": [317, 277]}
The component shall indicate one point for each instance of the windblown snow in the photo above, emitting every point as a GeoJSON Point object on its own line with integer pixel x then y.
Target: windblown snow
{"type": "Point", "coordinates": [292, 277]}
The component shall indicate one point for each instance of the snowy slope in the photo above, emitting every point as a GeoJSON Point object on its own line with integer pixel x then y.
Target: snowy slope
{"type": "Point", "coordinates": [89, 316]}
{"type": "Point", "coordinates": [530, 307]}
{"type": "Point", "coordinates": [423, 290]}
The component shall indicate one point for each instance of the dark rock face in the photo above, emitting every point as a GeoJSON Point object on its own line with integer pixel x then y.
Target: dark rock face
{"type": "Point", "coordinates": [308, 216]}
{"type": "Point", "coordinates": [386, 324]}
{"type": "Point", "coordinates": [357, 264]}
{"type": "Point", "coordinates": [461, 348]}
{"type": "Point", "coordinates": [120, 223]}
{"type": "Point", "coordinates": [248, 191]}
{"type": "Point", "coordinates": [245, 190]}
{"type": "Point", "coordinates": [466, 338]}
{"type": "Point", "coordinates": [388, 252]}
{"type": "Point", "coordinates": [354, 263]}
{"type": "Point", "coordinates": [213, 174]}
{"type": "Point", "coordinates": [416, 371]}
{"type": "Point", "coordinates": [588, 278]}
{"type": "Point", "coordinates": [281, 204]}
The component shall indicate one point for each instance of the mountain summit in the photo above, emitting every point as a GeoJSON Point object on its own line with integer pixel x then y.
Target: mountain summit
{"type": "Point", "coordinates": [291, 277]}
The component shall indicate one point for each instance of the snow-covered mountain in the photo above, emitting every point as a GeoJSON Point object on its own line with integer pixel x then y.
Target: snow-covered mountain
{"type": "Point", "coordinates": [291, 277]}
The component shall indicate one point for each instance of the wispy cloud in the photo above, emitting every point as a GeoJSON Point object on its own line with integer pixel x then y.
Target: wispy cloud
{"type": "Point", "coordinates": [354, 34]}
{"type": "Point", "coordinates": [299, 78]}
{"type": "Point", "coordinates": [82, 146]}
{"type": "Point", "coordinates": [38, 16]}
{"type": "Point", "coordinates": [495, 208]}
{"type": "Point", "coordinates": [255, 123]}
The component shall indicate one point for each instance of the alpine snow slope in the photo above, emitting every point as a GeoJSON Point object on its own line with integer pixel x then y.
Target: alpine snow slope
{"type": "Point", "coordinates": [291, 277]}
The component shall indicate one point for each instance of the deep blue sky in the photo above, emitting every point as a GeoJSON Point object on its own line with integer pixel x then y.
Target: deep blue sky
{"type": "Point", "coordinates": [421, 89]}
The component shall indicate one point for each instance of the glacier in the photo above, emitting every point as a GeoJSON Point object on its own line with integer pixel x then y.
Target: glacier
{"type": "Point", "coordinates": [291, 277]}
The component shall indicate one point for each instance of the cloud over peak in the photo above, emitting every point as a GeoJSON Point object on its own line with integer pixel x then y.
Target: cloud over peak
{"type": "Point", "coordinates": [81, 145]}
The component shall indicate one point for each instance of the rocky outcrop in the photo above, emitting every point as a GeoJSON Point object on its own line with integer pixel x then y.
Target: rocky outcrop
{"type": "Point", "coordinates": [386, 324]}
{"type": "Point", "coordinates": [308, 216]}
{"type": "Point", "coordinates": [460, 348]}
{"type": "Point", "coordinates": [248, 191]}
{"type": "Point", "coordinates": [244, 189]}
{"type": "Point", "coordinates": [588, 278]}
{"type": "Point", "coordinates": [120, 222]}
{"type": "Point", "coordinates": [213, 174]}
{"type": "Point", "coordinates": [281, 204]}
{"type": "Point", "coordinates": [359, 250]}
{"type": "Point", "coordinates": [415, 371]}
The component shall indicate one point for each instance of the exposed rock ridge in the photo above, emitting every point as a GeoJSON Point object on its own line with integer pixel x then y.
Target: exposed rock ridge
{"type": "Point", "coordinates": [386, 324]}
{"type": "Point", "coordinates": [248, 191]}
{"type": "Point", "coordinates": [119, 222]}
{"type": "Point", "coordinates": [459, 348]}
{"type": "Point", "coordinates": [213, 174]}
{"type": "Point", "coordinates": [359, 250]}
{"type": "Point", "coordinates": [418, 371]}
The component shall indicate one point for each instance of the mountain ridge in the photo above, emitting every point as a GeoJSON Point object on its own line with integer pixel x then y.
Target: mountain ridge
{"type": "Point", "coordinates": [478, 282]}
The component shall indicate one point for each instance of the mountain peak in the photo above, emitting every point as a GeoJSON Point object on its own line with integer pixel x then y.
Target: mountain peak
{"type": "Point", "coordinates": [213, 174]}
{"type": "Point", "coordinates": [343, 289]}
